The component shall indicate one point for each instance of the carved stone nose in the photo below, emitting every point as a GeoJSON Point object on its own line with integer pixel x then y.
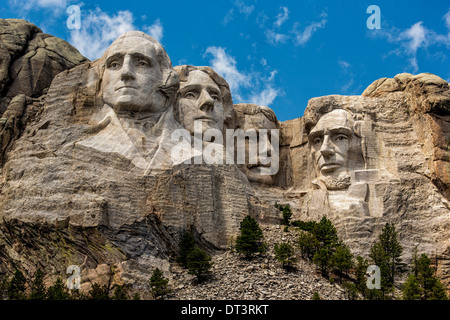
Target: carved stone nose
{"type": "Point", "coordinates": [206, 102]}
{"type": "Point", "coordinates": [326, 149]}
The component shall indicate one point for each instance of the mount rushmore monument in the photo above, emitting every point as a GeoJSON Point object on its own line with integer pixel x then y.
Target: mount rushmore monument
{"type": "Point", "coordinates": [108, 162]}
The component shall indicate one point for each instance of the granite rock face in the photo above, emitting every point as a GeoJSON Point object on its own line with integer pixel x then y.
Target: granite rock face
{"type": "Point", "coordinates": [109, 165]}
{"type": "Point", "coordinates": [381, 157]}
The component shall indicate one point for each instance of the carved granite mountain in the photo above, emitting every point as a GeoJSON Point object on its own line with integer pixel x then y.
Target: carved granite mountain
{"type": "Point", "coordinates": [90, 177]}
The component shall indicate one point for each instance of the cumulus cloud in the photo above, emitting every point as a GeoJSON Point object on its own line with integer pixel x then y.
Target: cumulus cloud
{"type": "Point", "coordinates": [228, 17]}
{"type": "Point", "coordinates": [245, 87]}
{"type": "Point", "coordinates": [99, 30]}
{"type": "Point", "coordinates": [414, 38]}
{"type": "Point", "coordinates": [156, 30]}
{"type": "Point", "coordinates": [302, 37]}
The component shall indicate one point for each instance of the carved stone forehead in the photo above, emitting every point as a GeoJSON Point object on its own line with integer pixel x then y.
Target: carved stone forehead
{"type": "Point", "coordinates": [199, 77]}
{"type": "Point", "coordinates": [132, 40]}
{"type": "Point", "coordinates": [335, 119]}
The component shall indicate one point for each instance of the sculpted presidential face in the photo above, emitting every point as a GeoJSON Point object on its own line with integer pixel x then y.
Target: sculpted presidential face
{"type": "Point", "coordinates": [132, 74]}
{"type": "Point", "coordinates": [200, 99]}
{"type": "Point", "coordinates": [332, 141]}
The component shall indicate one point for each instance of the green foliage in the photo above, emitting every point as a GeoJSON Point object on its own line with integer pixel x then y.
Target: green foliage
{"type": "Point", "coordinates": [385, 253]}
{"type": "Point", "coordinates": [287, 213]}
{"type": "Point", "coordinates": [304, 225]}
{"type": "Point", "coordinates": [251, 239]}
{"type": "Point", "coordinates": [98, 292]}
{"type": "Point", "coordinates": [422, 284]}
{"type": "Point", "coordinates": [137, 296]}
{"type": "Point", "coordinates": [158, 283]}
{"type": "Point", "coordinates": [316, 296]}
{"type": "Point", "coordinates": [38, 290]}
{"type": "Point", "coordinates": [16, 287]}
{"type": "Point", "coordinates": [412, 289]}
{"type": "Point", "coordinates": [120, 293]}
{"type": "Point", "coordinates": [284, 253]}
{"type": "Point", "coordinates": [351, 290]}
{"type": "Point", "coordinates": [342, 260]}
{"type": "Point", "coordinates": [360, 275]}
{"type": "Point", "coordinates": [199, 263]}
{"type": "Point", "coordinates": [325, 232]}
{"type": "Point", "coordinates": [186, 245]}
{"type": "Point", "coordinates": [58, 291]}
{"type": "Point", "coordinates": [308, 244]}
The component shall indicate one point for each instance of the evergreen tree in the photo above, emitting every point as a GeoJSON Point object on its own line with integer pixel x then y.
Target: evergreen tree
{"type": "Point", "coordinates": [287, 214]}
{"type": "Point", "coordinates": [316, 296]}
{"type": "Point", "coordinates": [98, 292]}
{"type": "Point", "coordinates": [308, 244]}
{"type": "Point", "coordinates": [342, 259]}
{"type": "Point", "coordinates": [385, 253]}
{"type": "Point", "coordinates": [199, 263]}
{"type": "Point", "coordinates": [137, 296]}
{"type": "Point", "coordinates": [120, 293]}
{"type": "Point", "coordinates": [158, 283]}
{"type": "Point", "coordinates": [284, 253]}
{"type": "Point", "coordinates": [251, 239]}
{"type": "Point", "coordinates": [360, 275]}
{"type": "Point", "coordinates": [3, 287]}
{"type": "Point", "coordinates": [422, 284]}
{"type": "Point", "coordinates": [325, 232]}
{"type": "Point", "coordinates": [58, 291]}
{"type": "Point", "coordinates": [186, 245]}
{"type": "Point", "coordinates": [16, 287]}
{"type": "Point", "coordinates": [411, 289]}
{"type": "Point", "coordinates": [38, 290]}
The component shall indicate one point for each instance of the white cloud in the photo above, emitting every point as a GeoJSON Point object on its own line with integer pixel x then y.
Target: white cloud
{"type": "Point", "coordinates": [24, 6]}
{"type": "Point", "coordinates": [99, 30]}
{"type": "Point", "coordinates": [155, 30]}
{"type": "Point", "coordinates": [275, 38]}
{"type": "Point", "coordinates": [228, 17]}
{"type": "Point", "coordinates": [244, 8]}
{"type": "Point", "coordinates": [302, 37]}
{"type": "Point", "coordinates": [262, 90]}
{"type": "Point", "coordinates": [413, 39]}
{"type": "Point", "coordinates": [282, 17]}
{"type": "Point", "coordinates": [225, 65]}
{"type": "Point", "coordinates": [265, 97]}
{"type": "Point", "coordinates": [348, 74]}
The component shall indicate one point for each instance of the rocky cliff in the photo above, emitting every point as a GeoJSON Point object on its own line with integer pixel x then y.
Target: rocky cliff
{"type": "Point", "coordinates": [88, 176]}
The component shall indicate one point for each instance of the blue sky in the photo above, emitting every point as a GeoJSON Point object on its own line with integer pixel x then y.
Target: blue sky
{"type": "Point", "coordinates": [274, 53]}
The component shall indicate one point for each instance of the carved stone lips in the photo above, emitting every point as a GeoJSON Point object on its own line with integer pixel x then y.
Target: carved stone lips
{"type": "Point", "coordinates": [204, 118]}
{"type": "Point", "coordinates": [125, 87]}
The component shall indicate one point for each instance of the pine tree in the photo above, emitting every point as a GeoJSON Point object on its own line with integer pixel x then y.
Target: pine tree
{"type": "Point", "coordinates": [120, 293]}
{"type": "Point", "coordinates": [58, 291]}
{"type": "Point", "coordinates": [287, 214]}
{"type": "Point", "coordinates": [98, 292]}
{"type": "Point", "coordinates": [308, 244]}
{"type": "Point", "coordinates": [422, 284]}
{"type": "Point", "coordinates": [199, 264]}
{"type": "Point", "coordinates": [16, 287]}
{"type": "Point", "coordinates": [158, 283]}
{"type": "Point", "coordinates": [186, 245]}
{"type": "Point", "coordinates": [360, 275]}
{"type": "Point", "coordinates": [251, 239]}
{"type": "Point", "coordinates": [342, 259]}
{"type": "Point", "coordinates": [38, 290]}
{"type": "Point", "coordinates": [284, 253]}
{"type": "Point", "coordinates": [385, 253]}
{"type": "Point", "coordinates": [412, 289]}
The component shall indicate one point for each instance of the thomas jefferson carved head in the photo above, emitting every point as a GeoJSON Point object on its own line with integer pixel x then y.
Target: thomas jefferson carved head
{"type": "Point", "coordinates": [138, 75]}
{"type": "Point", "coordinates": [203, 96]}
